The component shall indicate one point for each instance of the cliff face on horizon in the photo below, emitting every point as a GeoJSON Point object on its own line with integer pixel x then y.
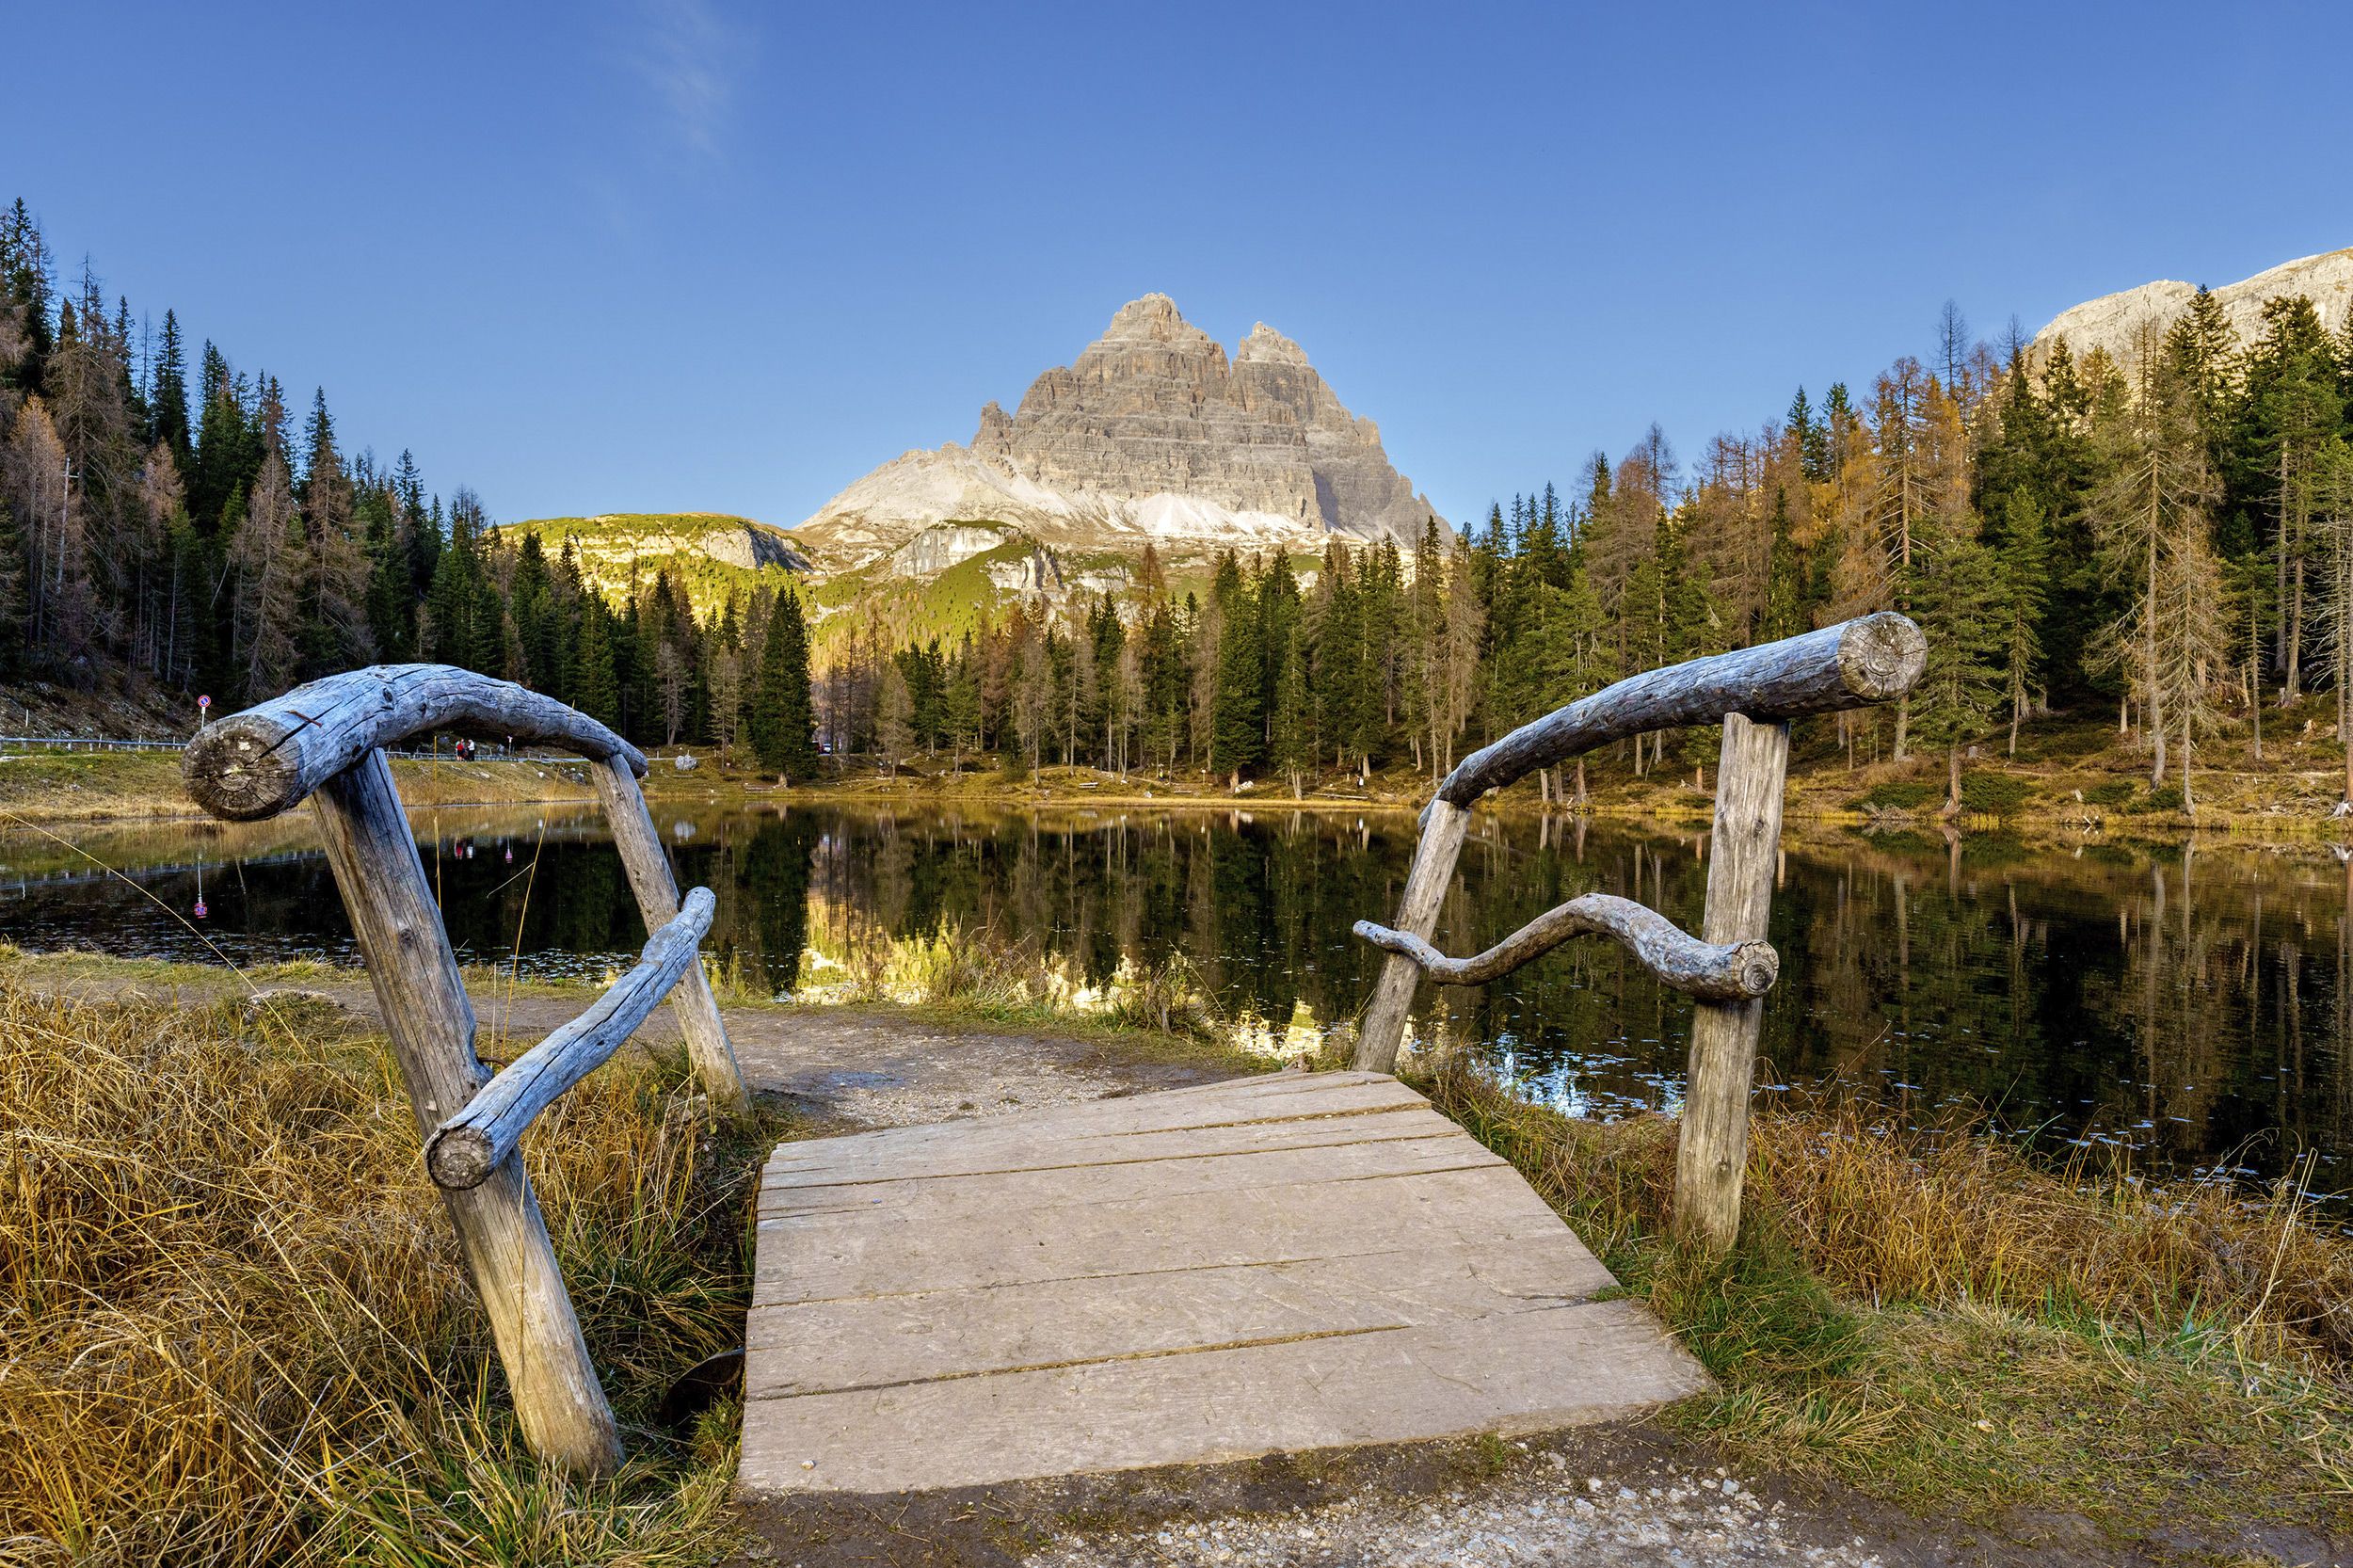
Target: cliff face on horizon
{"type": "Point", "coordinates": [1152, 433]}
{"type": "Point", "coordinates": [2120, 323]}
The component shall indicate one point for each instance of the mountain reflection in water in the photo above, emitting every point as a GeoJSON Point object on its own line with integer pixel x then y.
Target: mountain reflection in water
{"type": "Point", "coordinates": [2186, 1005]}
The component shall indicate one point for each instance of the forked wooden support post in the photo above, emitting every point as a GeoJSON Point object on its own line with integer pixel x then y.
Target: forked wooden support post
{"type": "Point", "coordinates": [557, 1398]}
{"type": "Point", "coordinates": [1712, 1157]}
{"type": "Point", "coordinates": [324, 742]}
{"type": "Point", "coordinates": [1755, 692]}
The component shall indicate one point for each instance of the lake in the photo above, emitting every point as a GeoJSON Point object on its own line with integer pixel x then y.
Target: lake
{"type": "Point", "coordinates": [2185, 1008]}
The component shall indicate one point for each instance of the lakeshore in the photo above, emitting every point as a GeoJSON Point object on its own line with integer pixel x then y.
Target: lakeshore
{"type": "Point", "coordinates": [1922, 1342]}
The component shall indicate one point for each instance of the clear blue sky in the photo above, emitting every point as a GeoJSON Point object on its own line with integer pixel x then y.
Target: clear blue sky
{"type": "Point", "coordinates": [696, 254]}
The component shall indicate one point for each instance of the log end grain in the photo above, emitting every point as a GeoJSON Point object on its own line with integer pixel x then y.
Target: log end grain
{"type": "Point", "coordinates": [241, 770]}
{"type": "Point", "coordinates": [458, 1158]}
{"type": "Point", "coordinates": [1881, 656]}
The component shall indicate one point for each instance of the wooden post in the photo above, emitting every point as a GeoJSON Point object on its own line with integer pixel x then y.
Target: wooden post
{"type": "Point", "coordinates": [1443, 826]}
{"type": "Point", "coordinates": [557, 1398]}
{"type": "Point", "coordinates": [476, 1140]}
{"type": "Point", "coordinates": [648, 868]}
{"type": "Point", "coordinates": [1713, 1154]}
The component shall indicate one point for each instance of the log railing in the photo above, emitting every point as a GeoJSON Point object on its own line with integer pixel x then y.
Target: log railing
{"type": "Point", "coordinates": [1753, 692]}
{"type": "Point", "coordinates": [325, 742]}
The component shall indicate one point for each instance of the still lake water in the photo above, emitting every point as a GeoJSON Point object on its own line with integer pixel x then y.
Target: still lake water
{"type": "Point", "coordinates": [2189, 1007]}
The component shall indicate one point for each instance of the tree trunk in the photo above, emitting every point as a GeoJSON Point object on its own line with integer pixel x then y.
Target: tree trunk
{"type": "Point", "coordinates": [1952, 782]}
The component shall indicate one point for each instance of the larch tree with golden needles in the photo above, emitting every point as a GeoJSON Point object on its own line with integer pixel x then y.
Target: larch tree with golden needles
{"type": "Point", "coordinates": [2153, 521]}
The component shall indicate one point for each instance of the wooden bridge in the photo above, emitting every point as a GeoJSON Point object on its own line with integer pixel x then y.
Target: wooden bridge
{"type": "Point", "coordinates": [1280, 1263]}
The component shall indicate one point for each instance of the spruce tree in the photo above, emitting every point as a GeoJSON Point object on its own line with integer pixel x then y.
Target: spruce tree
{"type": "Point", "coordinates": [168, 394]}
{"type": "Point", "coordinates": [1238, 724]}
{"type": "Point", "coordinates": [783, 724]}
{"type": "Point", "coordinates": [2022, 554]}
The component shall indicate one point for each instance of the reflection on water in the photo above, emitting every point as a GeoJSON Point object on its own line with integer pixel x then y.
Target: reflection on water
{"type": "Point", "coordinates": [2188, 1005]}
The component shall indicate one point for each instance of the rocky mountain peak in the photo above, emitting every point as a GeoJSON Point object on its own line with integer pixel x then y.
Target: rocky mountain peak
{"type": "Point", "coordinates": [2124, 323]}
{"type": "Point", "coordinates": [1153, 318]}
{"type": "Point", "coordinates": [1150, 433]}
{"type": "Point", "coordinates": [1265, 346]}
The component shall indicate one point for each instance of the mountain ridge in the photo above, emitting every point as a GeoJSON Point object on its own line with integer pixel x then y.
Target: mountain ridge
{"type": "Point", "coordinates": [1153, 433]}
{"type": "Point", "coordinates": [2118, 322]}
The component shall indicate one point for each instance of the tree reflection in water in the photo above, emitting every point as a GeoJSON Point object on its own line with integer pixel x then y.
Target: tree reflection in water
{"type": "Point", "coordinates": [2188, 1005]}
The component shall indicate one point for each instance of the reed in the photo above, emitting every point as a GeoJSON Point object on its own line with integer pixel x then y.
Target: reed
{"type": "Point", "coordinates": [238, 1330]}
{"type": "Point", "coordinates": [1940, 1317]}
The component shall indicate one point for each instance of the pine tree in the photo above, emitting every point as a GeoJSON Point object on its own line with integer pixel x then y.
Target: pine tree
{"type": "Point", "coordinates": [167, 395]}
{"type": "Point", "coordinates": [1963, 685]}
{"type": "Point", "coordinates": [783, 724]}
{"type": "Point", "coordinates": [2023, 553]}
{"type": "Point", "coordinates": [268, 553]}
{"type": "Point", "coordinates": [1238, 732]}
{"type": "Point", "coordinates": [12, 616]}
{"type": "Point", "coordinates": [597, 689]}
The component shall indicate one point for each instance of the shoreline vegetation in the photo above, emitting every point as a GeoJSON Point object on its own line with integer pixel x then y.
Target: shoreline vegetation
{"type": "Point", "coordinates": [293, 1369]}
{"type": "Point", "coordinates": [2080, 773]}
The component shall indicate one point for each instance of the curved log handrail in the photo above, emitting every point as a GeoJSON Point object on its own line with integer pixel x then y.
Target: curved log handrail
{"type": "Point", "coordinates": [1852, 664]}
{"type": "Point", "coordinates": [465, 1149]}
{"type": "Point", "coordinates": [269, 758]}
{"type": "Point", "coordinates": [1732, 972]}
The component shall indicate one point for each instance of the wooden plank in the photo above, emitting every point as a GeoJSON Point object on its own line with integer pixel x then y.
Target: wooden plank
{"type": "Point", "coordinates": [1298, 1101]}
{"type": "Point", "coordinates": [1266, 1264]}
{"type": "Point", "coordinates": [892, 1254]}
{"type": "Point", "coordinates": [1502, 1374]}
{"type": "Point", "coordinates": [824, 1346]}
{"type": "Point", "coordinates": [988, 1195]}
{"type": "Point", "coordinates": [1006, 1155]}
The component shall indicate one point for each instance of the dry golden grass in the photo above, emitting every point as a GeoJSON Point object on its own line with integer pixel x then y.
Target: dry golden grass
{"type": "Point", "coordinates": [1940, 1319]}
{"type": "Point", "coordinates": [1934, 1216]}
{"type": "Point", "coordinates": [236, 1328]}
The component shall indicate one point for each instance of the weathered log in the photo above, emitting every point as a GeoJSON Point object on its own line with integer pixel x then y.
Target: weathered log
{"type": "Point", "coordinates": [1712, 1155]}
{"type": "Point", "coordinates": [468, 1146]}
{"type": "Point", "coordinates": [1383, 1031]}
{"type": "Point", "coordinates": [1733, 971]}
{"type": "Point", "coordinates": [268, 758]}
{"type": "Point", "coordinates": [1851, 664]}
{"type": "Point", "coordinates": [707, 1048]}
{"type": "Point", "coordinates": [558, 1400]}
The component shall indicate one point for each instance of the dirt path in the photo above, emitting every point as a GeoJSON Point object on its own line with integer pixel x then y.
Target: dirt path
{"type": "Point", "coordinates": [844, 1067]}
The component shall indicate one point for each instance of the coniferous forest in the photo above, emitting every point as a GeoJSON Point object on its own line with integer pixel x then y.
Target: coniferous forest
{"type": "Point", "coordinates": [2168, 541]}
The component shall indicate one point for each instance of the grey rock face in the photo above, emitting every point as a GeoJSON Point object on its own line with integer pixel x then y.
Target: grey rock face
{"type": "Point", "coordinates": [2125, 324]}
{"type": "Point", "coordinates": [1152, 433]}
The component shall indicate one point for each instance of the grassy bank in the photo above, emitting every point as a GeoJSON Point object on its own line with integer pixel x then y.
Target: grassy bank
{"type": "Point", "coordinates": [2079, 772]}
{"type": "Point", "coordinates": [1940, 1321]}
{"type": "Point", "coordinates": [238, 1330]}
{"type": "Point", "coordinates": [72, 786]}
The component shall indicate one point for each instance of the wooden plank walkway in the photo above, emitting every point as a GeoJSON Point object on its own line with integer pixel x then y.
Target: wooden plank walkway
{"type": "Point", "coordinates": [1200, 1275]}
